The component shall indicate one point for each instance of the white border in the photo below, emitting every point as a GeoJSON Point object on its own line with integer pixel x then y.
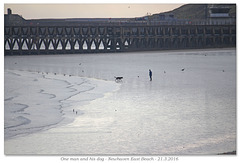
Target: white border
{"type": "Point", "coordinates": [30, 159]}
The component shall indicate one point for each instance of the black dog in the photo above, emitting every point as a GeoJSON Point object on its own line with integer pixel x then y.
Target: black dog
{"type": "Point", "coordinates": [118, 78]}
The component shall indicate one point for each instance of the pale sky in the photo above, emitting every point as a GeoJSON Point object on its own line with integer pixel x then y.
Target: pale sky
{"type": "Point", "coordinates": [78, 10]}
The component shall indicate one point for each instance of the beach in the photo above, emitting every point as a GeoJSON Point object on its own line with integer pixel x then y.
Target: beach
{"type": "Point", "coordinates": [71, 104]}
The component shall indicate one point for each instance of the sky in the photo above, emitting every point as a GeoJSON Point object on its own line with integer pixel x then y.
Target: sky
{"type": "Point", "coordinates": [80, 10]}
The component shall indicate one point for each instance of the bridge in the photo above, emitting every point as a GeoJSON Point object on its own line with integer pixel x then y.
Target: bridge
{"type": "Point", "coordinates": [77, 39]}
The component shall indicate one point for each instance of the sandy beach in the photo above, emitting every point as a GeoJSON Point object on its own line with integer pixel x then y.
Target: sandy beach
{"type": "Point", "coordinates": [71, 104]}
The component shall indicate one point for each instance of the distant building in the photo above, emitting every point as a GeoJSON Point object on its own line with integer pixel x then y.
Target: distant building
{"type": "Point", "coordinates": [220, 15]}
{"type": "Point", "coordinates": [13, 19]}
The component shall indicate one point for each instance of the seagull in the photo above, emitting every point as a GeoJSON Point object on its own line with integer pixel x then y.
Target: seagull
{"type": "Point", "coordinates": [183, 69]}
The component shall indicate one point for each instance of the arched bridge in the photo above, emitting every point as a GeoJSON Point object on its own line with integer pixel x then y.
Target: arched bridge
{"type": "Point", "coordinates": [114, 38]}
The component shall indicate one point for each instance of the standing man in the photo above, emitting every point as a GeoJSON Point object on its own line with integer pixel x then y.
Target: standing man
{"type": "Point", "coordinates": [150, 74]}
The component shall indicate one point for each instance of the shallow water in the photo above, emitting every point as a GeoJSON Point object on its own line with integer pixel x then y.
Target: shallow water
{"type": "Point", "coordinates": [35, 101]}
{"type": "Point", "coordinates": [179, 112]}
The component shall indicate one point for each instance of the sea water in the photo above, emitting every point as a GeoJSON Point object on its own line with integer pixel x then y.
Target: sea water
{"type": "Point", "coordinates": [188, 108]}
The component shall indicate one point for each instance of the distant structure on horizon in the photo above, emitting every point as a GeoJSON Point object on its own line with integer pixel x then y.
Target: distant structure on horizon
{"type": "Point", "coordinates": [220, 15]}
{"type": "Point", "coordinates": [215, 29]}
{"type": "Point", "coordinates": [13, 19]}
{"type": "Point", "coordinates": [214, 14]}
{"type": "Point", "coordinates": [211, 14]}
{"type": "Point", "coordinates": [16, 20]}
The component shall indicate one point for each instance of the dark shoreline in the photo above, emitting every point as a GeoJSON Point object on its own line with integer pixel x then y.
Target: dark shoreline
{"type": "Point", "coordinates": [133, 51]}
{"type": "Point", "coordinates": [228, 153]}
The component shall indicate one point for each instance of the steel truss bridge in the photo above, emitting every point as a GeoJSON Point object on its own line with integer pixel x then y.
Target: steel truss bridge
{"type": "Point", "coordinates": [24, 40]}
